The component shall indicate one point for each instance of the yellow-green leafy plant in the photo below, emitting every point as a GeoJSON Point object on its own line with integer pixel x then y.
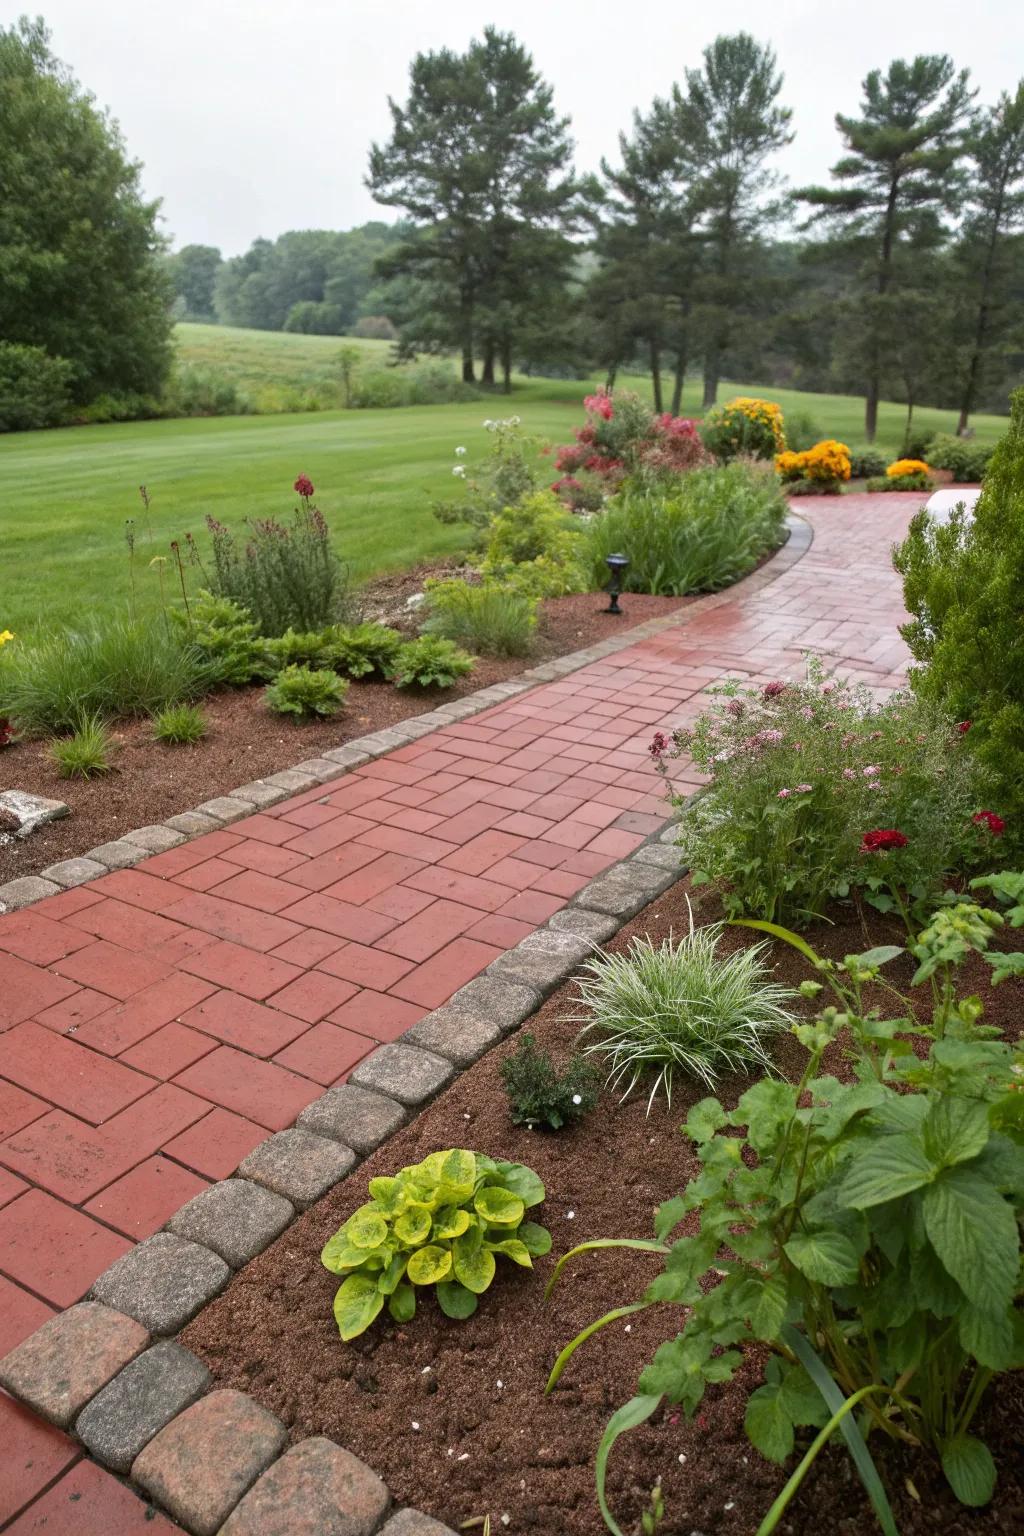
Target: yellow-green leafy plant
{"type": "Point", "coordinates": [442, 1223]}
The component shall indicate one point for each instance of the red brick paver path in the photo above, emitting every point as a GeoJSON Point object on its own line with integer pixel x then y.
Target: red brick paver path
{"type": "Point", "coordinates": [158, 1023]}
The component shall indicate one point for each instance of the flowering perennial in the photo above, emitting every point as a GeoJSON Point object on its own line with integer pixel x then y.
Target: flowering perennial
{"type": "Point", "coordinates": [826, 464]}
{"type": "Point", "coordinates": [745, 425]}
{"type": "Point", "coordinates": [303, 487]}
{"type": "Point", "coordinates": [882, 840]}
{"type": "Point", "coordinates": [996, 825]}
{"type": "Point", "coordinates": [902, 467]}
{"type": "Point", "coordinates": [621, 436]}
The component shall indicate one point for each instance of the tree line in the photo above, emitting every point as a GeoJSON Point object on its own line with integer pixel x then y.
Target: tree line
{"type": "Point", "coordinates": [903, 277]}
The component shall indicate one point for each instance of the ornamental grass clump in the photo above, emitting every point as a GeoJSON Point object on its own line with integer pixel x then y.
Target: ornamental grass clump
{"type": "Point", "coordinates": [489, 619]}
{"type": "Point", "coordinates": [682, 1006]}
{"type": "Point", "coordinates": [86, 753]}
{"type": "Point", "coordinates": [800, 772]}
{"type": "Point", "coordinates": [441, 1223]}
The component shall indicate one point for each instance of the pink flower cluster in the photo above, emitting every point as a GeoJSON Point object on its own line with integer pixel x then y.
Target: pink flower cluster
{"type": "Point", "coordinates": [608, 446]}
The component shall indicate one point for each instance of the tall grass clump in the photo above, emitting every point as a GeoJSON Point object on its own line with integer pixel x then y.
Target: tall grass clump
{"type": "Point", "coordinates": [681, 1006]}
{"type": "Point", "coordinates": [86, 753]}
{"type": "Point", "coordinates": [113, 669]}
{"type": "Point", "coordinates": [489, 619]}
{"type": "Point", "coordinates": [710, 530]}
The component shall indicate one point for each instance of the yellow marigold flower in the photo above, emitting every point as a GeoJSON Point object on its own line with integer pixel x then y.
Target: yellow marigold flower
{"type": "Point", "coordinates": [5, 635]}
{"type": "Point", "coordinates": [907, 467]}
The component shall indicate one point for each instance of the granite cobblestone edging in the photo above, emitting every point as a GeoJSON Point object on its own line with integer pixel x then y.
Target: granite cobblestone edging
{"type": "Point", "coordinates": [110, 1371]}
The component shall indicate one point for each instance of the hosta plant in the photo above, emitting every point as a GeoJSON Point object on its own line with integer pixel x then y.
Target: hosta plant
{"type": "Point", "coordinates": [429, 662]}
{"type": "Point", "coordinates": [442, 1223]}
{"type": "Point", "coordinates": [360, 650]}
{"type": "Point", "coordinates": [866, 1230]}
{"type": "Point", "coordinates": [305, 691]}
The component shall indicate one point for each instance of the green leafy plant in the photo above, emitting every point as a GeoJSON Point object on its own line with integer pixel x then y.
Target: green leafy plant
{"type": "Point", "coordinates": [429, 662]}
{"type": "Point", "coordinates": [311, 649]}
{"type": "Point", "coordinates": [506, 475]}
{"type": "Point", "coordinates": [866, 464]}
{"type": "Point", "coordinates": [744, 427]}
{"type": "Point", "coordinates": [304, 691]}
{"type": "Point", "coordinates": [442, 1223]}
{"type": "Point", "coordinates": [86, 753]}
{"type": "Point", "coordinates": [223, 633]}
{"type": "Point", "coordinates": [539, 1094]}
{"type": "Point", "coordinates": [488, 619]}
{"type": "Point", "coordinates": [915, 482]}
{"type": "Point", "coordinates": [866, 1231]}
{"type": "Point", "coordinates": [180, 725]}
{"type": "Point", "coordinates": [681, 1007]}
{"type": "Point", "coordinates": [362, 650]}
{"type": "Point", "coordinates": [966, 460]}
{"type": "Point", "coordinates": [535, 546]}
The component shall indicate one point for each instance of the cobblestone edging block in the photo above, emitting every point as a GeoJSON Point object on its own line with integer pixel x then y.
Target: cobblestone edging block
{"type": "Point", "coordinates": [222, 810]}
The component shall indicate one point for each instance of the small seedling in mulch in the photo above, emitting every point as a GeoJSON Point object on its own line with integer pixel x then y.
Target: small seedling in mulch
{"type": "Point", "coordinates": [540, 1095]}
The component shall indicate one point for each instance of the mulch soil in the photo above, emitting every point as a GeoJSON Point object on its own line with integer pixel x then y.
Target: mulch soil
{"type": "Point", "coordinates": [151, 781]}
{"type": "Point", "coordinates": [453, 1414]}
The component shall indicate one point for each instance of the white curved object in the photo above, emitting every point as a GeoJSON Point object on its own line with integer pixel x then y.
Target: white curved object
{"type": "Point", "coordinates": [941, 503]}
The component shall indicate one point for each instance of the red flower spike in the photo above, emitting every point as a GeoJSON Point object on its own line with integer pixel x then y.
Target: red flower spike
{"type": "Point", "coordinates": [883, 840]}
{"type": "Point", "coordinates": [303, 487]}
{"type": "Point", "coordinates": [995, 824]}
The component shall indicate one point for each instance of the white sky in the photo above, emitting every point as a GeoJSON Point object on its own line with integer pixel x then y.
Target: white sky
{"type": "Point", "coordinates": [254, 116]}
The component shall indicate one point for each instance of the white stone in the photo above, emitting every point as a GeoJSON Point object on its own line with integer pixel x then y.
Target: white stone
{"type": "Point", "coordinates": [940, 504]}
{"type": "Point", "coordinates": [31, 810]}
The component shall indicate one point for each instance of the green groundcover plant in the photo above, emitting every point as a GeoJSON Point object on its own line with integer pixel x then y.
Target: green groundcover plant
{"type": "Point", "coordinates": [865, 1230]}
{"type": "Point", "coordinates": [488, 618]}
{"type": "Point", "coordinates": [305, 691]}
{"type": "Point", "coordinates": [535, 547]}
{"type": "Point", "coordinates": [444, 1223]}
{"type": "Point", "coordinates": [86, 753]}
{"type": "Point", "coordinates": [914, 482]}
{"type": "Point", "coordinates": [429, 662]}
{"type": "Point", "coordinates": [541, 1095]}
{"type": "Point", "coordinates": [816, 793]}
{"type": "Point", "coordinates": [180, 725]}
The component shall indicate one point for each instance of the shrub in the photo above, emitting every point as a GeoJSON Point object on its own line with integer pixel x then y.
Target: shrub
{"type": "Point", "coordinates": [917, 445]}
{"type": "Point", "coordinates": [360, 650]}
{"type": "Point", "coordinates": [538, 1094]}
{"type": "Point", "coordinates": [86, 753]}
{"type": "Point", "coordinates": [964, 586]}
{"type": "Point", "coordinates": [180, 725]}
{"type": "Point", "coordinates": [374, 328]}
{"type": "Point", "coordinates": [224, 635]}
{"type": "Point", "coordinates": [429, 662]}
{"type": "Point", "coordinates": [312, 318]}
{"type": "Point", "coordinates": [434, 383]}
{"type": "Point", "coordinates": [113, 668]}
{"type": "Point", "coordinates": [489, 619]}
{"type": "Point", "coordinates": [303, 691]}
{"type": "Point", "coordinates": [288, 578]}
{"type": "Point", "coordinates": [744, 427]}
{"type": "Point", "coordinates": [535, 547]}
{"type": "Point", "coordinates": [681, 1007]}
{"type": "Point", "coordinates": [34, 388]}
{"type": "Point", "coordinates": [199, 390]}
{"type": "Point", "coordinates": [802, 431]}
{"type": "Point", "coordinates": [440, 1223]}
{"type": "Point", "coordinates": [313, 649]}
{"type": "Point", "coordinates": [505, 477]}
{"type": "Point", "coordinates": [865, 1231]}
{"type": "Point", "coordinates": [801, 777]}
{"type": "Point", "coordinates": [824, 467]}
{"type": "Point", "coordinates": [621, 437]}
{"type": "Point", "coordinates": [865, 464]}
{"type": "Point", "coordinates": [966, 460]}
{"type": "Point", "coordinates": [709, 532]}
{"type": "Point", "coordinates": [887, 482]}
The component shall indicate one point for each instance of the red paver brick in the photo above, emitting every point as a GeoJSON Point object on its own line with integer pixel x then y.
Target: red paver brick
{"type": "Point", "coordinates": [377, 1015]}
{"type": "Point", "coordinates": [548, 855]}
{"type": "Point", "coordinates": [430, 930]}
{"type": "Point", "coordinates": [308, 948]}
{"type": "Point", "coordinates": [148, 1123]}
{"type": "Point", "coordinates": [67, 1157]}
{"type": "Point", "coordinates": [62, 905]}
{"type": "Point", "coordinates": [203, 877]}
{"type": "Point", "coordinates": [87, 1501]}
{"type": "Point", "coordinates": [471, 890]}
{"type": "Point", "coordinates": [263, 829]}
{"type": "Point", "coordinates": [354, 792]}
{"type": "Point", "coordinates": [18, 1108]}
{"type": "Point", "coordinates": [314, 995]}
{"type": "Point", "coordinates": [266, 858]}
{"type": "Point", "coordinates": [264, 892]}
{"type": "Point", "coordinates": [68, 1074]}
{"type": "Point", "coordinates": [239, 1021]}
{"type": "Point", "coordinates": [25, 990]}
{"type": "Point", "coordinates": [10, 1187]}
{"type": "Point", "coordinates": [176, 860]}
{"type": "Point", "coordinates": [505, 932]}
{"type": "Point", "coordinates": [230, 920]}
{"type": "Point", "coordinates": [188, 942]}
{"type": "Point", "coordinates": [20, 1315]}
{"type": "Point", "coordinates": [216, 1144]}
{"type": "Point", "coordinates": [74, 1011]}
{"type": "Point", "coordinates": [386, 870]}
{"type": "Point", "coordinates": [319, 873]}
{"type": "Point", "coordinates": [588, 862]}
{"type": "Point", "coordinates": [618, 844]}
{"type": "Point", "coordinates": [400, 903]}
{"type": "Point", "coordinates": [258, 1090]}
{"type": "Point", "coordinates": [570, 835]}
{"type": "Point", "coordinates": [56, 1251]}
{"type": "Point", "coordinates": [127, 926]}
{"type": "Point", "coordinates": [109, 968]}
{"type": "Point", "coordinates": [326, 1053]}
{"type": "Point", "coordinates": [308, 814]}
{"type": "Point", "coordinates": [137, 888]}
{"type": "Point", "coordinates": [366, 966]}
{"type": "Point", "coordinates": [242, 970]}
{"type": "Point", "coordinates": [34, 1454]}
{"type": "Point", "coordinates": [139, 1203]}
{"type": "Point", "coordinates": [415, 845]}
{"type": "Point", "coordinates": [341, 918]}
{"type": "Point", "coordinates": [481, 854]}
{"type": "Point", "coordinates": [125, 1025]}
{"type": "Point", "coordinates": [559, 882]}
{"type": "Point", "coordinates": [168, 1051]}
{"type": "Point", "coordinates": [339, 830]}
{"type": "Point", "coordinates": [434, 982]}
{"type": "Point", "coordinates": [533, 907]}
{"type": "Point", "coordinates": [38, 939]}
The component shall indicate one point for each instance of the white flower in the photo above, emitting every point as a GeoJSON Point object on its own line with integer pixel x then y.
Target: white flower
{"type": "Point", "coordinates": [514, 421]}
{"type": "Point", "coordinates": [460, 453]}
{"type": "Point", "coordinates": [570, 1215]}
{"type": "Point", "coordinates": [489, 425]}
{"type": "Point", "coordinates": [577, 1098]}
{"type": "Point", "coordinates": [459, 470]}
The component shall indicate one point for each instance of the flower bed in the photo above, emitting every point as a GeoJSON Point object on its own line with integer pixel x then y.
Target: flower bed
{"type": "Point", "coordinates": [453, 1414]}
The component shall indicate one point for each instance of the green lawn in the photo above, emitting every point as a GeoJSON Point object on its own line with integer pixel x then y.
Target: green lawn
{"type": "Point", "coordinates": [65, 495]}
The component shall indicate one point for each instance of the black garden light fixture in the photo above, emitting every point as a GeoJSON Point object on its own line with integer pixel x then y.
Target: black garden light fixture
{"type": "Point", "coordinates": [617, 564]}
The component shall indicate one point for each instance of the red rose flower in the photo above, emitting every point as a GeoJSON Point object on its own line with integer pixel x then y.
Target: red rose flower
{"type": "Point", "coordinates": [882, 840]}
{"type": "Point", "coordinates": [303, 487]}
{"type": "Point", "coordinates": [995, 824]}
{"type": "Point", "coordinates": [964, 727]}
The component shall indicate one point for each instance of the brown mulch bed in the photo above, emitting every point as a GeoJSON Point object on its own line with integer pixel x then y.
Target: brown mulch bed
{"type": "Point", "coordinates": [152, 781]}
{"type": "Point", "coordinates": [453, 1414]}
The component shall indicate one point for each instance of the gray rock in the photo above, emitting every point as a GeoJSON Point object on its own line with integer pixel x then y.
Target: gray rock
{"type": "Point", "coordinates": [379, 742]}
{"type": "Point", "coordinates": [141, 1399]}
{"type": "Point", "coordinates": [354, 1116]}
{"type": "Point", "coordinates": [404, 1073]}
{"type": "Point", "coordinates": [321, 769]}
{"type": "Point", "coordinates": [156, 839]}
{"type": "Point", "coordinates": [23, 892]}
{"type": "Point", "coordinates": [30, 811]}
{"type": "Point", "coordinates": [670, 834]}
{"type": "Point", "coordinates": [459, 1036]}
{"type": "Point", "coordinates": [417, 726]}
{"type": "Point", "coordinates": [347, 757]}
{"type": "Point", "coordinates": [192, 823]}
{"type": "Point", "coordinates": [624, 890]}
{"type": "Point", "coordinates": [315, 1489]}
{"type": "Point", "coordinates": [595, 926]}
{"type": "Point", "coordinates": [118, 855]}
{"type": "Point", "coordinates": [234, 1218]}
{"type": "Point", "coordinates": [260, 794]}
{"type": "Point", "coordinates": [413, 1522]}
{"type": "Point", "coordinates": [299, 1165]}
{"type": "Point", "coordinates": [542, 960]}
{"type": "Point", "coordinates": [72, 872]}
{"type": "Point", "coordinates": [225, 809]}
{"type": "Point", "coordinates": [664, 855]}
{"type": "Point", "coordinates": [163, 1282]}
{"type": "Point", "coordinates": [498, 1000]}
{"type": "Point", "coordinates": [292, 780]}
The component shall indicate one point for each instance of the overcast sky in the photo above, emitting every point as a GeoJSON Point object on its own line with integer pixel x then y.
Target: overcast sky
{"type": "Point", "coordinates": [254, 116]}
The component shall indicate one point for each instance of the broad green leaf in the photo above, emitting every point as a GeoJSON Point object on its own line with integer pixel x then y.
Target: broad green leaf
{"type": "Point", "coordinates": [458, 1177]}
{"type": "Point", "coordinates": [883, 1170]}
{"type": "Point", "coordinates": [871, 959]}
{"type": "Point", "coordinates": [498, 1207]}
{"type": "Point", "coordinates": [935, 1290]}
{"type": "Point", "coordinates": [974, 1232]}
{"type": "Point", "coordinates": [388, 1278]}
{"type": "Point", "coordinates": [450, 1221]}
{"type": "Point", "coordinates": [513, 1249]}
{"type": "Point", "coordinates": [402, 1303]}
{"type": "Point", "coordinates": [522, 1181]}
{"type": "Point", "coordinates": [768, 1424]}
{"type": "Point", "coordinates": [826, 1257]}
{"type": "Point", "coordinates": [766, 1108]}
{"type": "Point", "coordinates": [669, 1214]}
{"type": "Point", "coordinates": [455, 1300]}
{"type": "Point", "coordinates": [356, 1304]}
{"type": "Point", "coordinates": [534, 1238]}
{"type": "Point", "coordinates": [413, 1226]}
{"type": "Point", "coordinates": [988, 1337]}
{"type": "Point", "coordinates": [474, 1265]}
{"type": "Point", "coordinates": [339, 1254]}
{"type": "Point", "coordinates": [388, 1194]}
{"type": "Point", "coordinates": [704, 1119]}
{"type": "Point", "coordinates": [802, 1399]}
{"type": "Point", "coordinates": [900, 1112]}
{"type": "Point", "coordinates": [366, 1228]}
{"type": "Point", "coordinates": [635, 1412]}
{"type": "Point", "coordinates": [955, 1130]}
{"type": "Point", "coordinates": [970, 1470]}
{"type": "Point", "coordinates": [769, 1310]}
{"type": "Point", "coordinates": [430, 1264]}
